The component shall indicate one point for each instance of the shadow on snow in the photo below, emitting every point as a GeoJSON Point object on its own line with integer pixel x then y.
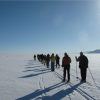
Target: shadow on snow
{"type": "Point", "coordinates": [36, 70]}
{"type": "Point", "coordinates": [39, 92]}
{"type": "Point", "coordinates": [58, 96]}
{"type": "Point", "coordinates": [31, 75]}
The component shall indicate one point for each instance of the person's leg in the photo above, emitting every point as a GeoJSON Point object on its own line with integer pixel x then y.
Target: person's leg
{"type": "Point", "coordinates": [47, 64]}
{"type": "Point", "coordinates": [68, 74]}
{"type": "Point", "coordinates": [81, 72]}
{"type": "Point", "coordinates": [84, 74]}
{"type": "Point", "coordinates": [56, 64]}
{"type": "Point", "coordinates": [64, 74]}
{"type": "Point", "coordinates": [53, 66]}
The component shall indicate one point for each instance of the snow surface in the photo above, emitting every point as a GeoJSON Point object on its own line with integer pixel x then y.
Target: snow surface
{"type": "Point", "coordinates": [22, 78]}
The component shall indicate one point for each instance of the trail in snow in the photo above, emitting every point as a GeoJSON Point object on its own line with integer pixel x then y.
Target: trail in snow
{"type": "Point", "coordinates": [78, 88]}
{"type": "Point", "coordinates": [50, 86]}
{"type": "Point", "coordinates": [25, 79]}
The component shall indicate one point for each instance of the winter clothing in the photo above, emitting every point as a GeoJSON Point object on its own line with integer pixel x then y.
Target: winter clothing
{"type": "Point", "coordinates": [66, 64]}
{"type": "Point", "coordinates": [52, 62]}
{"type": "Point", "coordinates": [47, 60]}
{"type": "Point", "coordinates": [83, 65]}
{"type": "Point", "coordinates": [57, 61]}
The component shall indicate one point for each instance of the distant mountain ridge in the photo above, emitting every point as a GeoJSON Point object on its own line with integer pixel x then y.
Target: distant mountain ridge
{"type": "Point", "coordinates": [95, 51]}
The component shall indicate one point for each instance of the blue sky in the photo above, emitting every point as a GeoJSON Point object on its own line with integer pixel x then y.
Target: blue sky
{"type": "Point", "coordinates": [49, 26]}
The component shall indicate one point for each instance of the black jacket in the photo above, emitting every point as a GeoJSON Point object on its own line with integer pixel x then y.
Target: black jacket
{"type": "Point", "coordinates": [83, 61]}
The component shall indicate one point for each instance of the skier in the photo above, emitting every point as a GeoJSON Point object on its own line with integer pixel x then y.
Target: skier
{"type": "Point", "coordinates": [47, 60]}
{"type": "Point", "coordinates": [44, 59]}
{"type": "Point", "coordinates": [52, 62]}
{"type": "Point", "coordinates": [66, 66]}
{"type": "Point", "coordinates": [34, 57]}
{"type": "Point", "coordinates": [57, 61]}
{"type": "Point", "coordinates": [83, 65]}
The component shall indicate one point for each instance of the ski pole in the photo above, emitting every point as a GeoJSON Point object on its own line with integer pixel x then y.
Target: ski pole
{"type": "Point", "coordinates": [76, 68]}
{"type": "Point", "coordinates": [76, 71]}
{"type": "Point", "coordinates": [92, 76]}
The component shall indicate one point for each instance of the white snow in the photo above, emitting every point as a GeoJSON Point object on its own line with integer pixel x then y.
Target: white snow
{"type": "Point", "coordinates": [22, 78]}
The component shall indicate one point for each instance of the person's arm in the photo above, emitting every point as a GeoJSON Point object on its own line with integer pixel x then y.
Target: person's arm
{"type": "Point", "coordinates": [62, 62]}
{"type": "Point", "coordinates": [77, 59]}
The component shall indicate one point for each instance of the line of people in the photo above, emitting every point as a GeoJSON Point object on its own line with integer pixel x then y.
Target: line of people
{"type": "Point", "coordinates": [66, 61]}
{"type": "Point", "coordinates": [45, 59]}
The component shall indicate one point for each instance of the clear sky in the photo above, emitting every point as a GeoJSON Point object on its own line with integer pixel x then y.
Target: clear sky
{"type": "Point", "coordinates": [49, 26]}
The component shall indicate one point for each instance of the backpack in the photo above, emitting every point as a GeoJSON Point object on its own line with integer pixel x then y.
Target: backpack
{"type": "Point", "coordinates": [66, 60]}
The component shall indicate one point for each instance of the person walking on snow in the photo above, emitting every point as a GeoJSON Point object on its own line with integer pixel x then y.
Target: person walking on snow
{"type": "Point", "coordinates": [57, 61]}
{"type": "Point", "coordinates": [34, 57]}
{"type": "Point", "coordinates": [83, 65]}
{"type": "Point", "coordinates": [47, 60]}
{"type": "Point", "coordinates": [66, 66]}
{"type": "Point", "coordinates": [52, 62]}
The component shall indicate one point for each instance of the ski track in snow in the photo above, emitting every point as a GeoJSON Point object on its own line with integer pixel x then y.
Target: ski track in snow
{"type": "Point", "coordinates": [90, 88]}
{"type": "Point", "coordinates": [41, 84]}
{"type": "Point", "coordinates": [48, 85]}
{"type": "Point", "coordinates": [78, 89]}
